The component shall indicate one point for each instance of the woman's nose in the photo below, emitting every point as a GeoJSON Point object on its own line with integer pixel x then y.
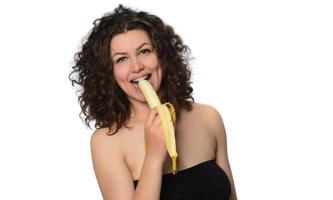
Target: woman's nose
{"type": "Point", "coordinates": [137, 65]}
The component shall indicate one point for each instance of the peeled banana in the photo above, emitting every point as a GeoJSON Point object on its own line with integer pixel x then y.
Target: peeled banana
{"type": "Point", "coordinates": [167, 115]}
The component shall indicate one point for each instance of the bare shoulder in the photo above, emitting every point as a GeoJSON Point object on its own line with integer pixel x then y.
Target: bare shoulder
{"type": "Point", "coordinates": [211, 119]}
{"type": "Point", "coordinates": [113, 176]}
{"type": "Point", "coordinates": [101, 139]}
{"type": "Point", "coordinates": [207, 113]}
{"type": "Point", "coordinates": [100, 133]}
{"type": "Point", "coordinates": [104, 146]}
{"type": "Point", "coordinates": [204, 108]}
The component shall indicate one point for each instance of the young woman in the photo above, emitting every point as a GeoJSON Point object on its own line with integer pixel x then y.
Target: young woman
{"type": "Point", "coordinates": [124, 46]}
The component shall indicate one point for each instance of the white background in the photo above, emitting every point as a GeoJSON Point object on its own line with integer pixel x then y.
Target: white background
{"type": "Point", "coordinates": [265, 65]}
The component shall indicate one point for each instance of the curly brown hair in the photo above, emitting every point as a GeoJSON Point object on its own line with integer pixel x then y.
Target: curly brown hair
{"type": "Point", "coordinates": [100, 97]}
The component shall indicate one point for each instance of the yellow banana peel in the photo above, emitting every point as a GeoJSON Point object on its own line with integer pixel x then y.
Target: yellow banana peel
{"type": "Point", "coordinates": [167, 115]}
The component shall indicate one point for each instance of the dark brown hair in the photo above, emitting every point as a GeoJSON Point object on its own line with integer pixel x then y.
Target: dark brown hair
{"type": "Point", "coordinates": [100, 97]}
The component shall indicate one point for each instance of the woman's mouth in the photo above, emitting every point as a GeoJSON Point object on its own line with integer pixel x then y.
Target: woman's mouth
{"type": "Point", "coordinates": [136, 81]}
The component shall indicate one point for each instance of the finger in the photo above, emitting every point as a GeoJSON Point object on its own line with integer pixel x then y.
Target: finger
{"type": "Point", "coordinates": [156, 121]}
{"type": "Point", "coordinates": [151, 116]}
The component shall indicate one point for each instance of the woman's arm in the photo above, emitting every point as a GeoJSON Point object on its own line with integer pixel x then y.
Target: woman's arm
{"type": "Point", "coordinates": [217, 127]}
{"type": "Point", "coordinates": [113, 175]}
{"type": "Point", "coordinates": [114, 178]}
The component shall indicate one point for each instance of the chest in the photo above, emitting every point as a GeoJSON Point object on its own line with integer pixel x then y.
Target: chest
{"type": "Point", "coordinates": [194, 145]}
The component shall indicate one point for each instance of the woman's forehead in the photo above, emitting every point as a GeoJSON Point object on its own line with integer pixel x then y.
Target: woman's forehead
{"type": "Point", "coordinates": [129, 40]}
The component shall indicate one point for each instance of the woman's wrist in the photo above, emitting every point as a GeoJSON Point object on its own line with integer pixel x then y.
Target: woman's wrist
{"type": "Point", "coordinates": [154, 161]}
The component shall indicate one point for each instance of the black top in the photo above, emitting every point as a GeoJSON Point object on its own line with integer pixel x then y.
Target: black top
{"type": "Point", "coordinates": [205, 181]}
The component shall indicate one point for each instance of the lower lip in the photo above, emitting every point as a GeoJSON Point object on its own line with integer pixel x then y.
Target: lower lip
{"type": "Point", "coordinates": [136, 86]}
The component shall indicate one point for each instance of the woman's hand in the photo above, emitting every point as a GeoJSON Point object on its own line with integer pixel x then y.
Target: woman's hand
{"type": "Point", "coordinates": [154, 137]}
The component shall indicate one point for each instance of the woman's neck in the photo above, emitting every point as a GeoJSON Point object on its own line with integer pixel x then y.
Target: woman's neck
{"type": "Point", "coordinates": [139, 111]}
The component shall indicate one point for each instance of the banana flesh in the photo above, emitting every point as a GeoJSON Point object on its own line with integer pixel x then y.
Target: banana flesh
{"type": "Point", "coordinates": [167, 115]}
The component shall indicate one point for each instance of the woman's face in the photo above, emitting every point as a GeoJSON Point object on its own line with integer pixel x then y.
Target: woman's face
{"type": "Point", "coordinates": [133, 58]}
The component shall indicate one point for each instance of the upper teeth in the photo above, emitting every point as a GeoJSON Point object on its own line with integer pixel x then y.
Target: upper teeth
{"type": "Point", "coordinates": [141, 78]}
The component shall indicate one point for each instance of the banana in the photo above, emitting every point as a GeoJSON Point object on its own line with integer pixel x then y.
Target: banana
{"type": "Point", "coordinates": [168, 118]}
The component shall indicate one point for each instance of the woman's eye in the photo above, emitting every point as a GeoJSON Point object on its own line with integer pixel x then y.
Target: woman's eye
{"type": "Point", "coordinates": [121, 59]}
{"type": "Point", "coordinates": [145, 51]}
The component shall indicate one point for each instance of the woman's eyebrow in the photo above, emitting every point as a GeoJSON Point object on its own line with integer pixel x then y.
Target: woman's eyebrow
{"type": "Point", "coordinates": [118, 53]}
{"type": "Point", "coordinates": [143, 44]}
{"type": "Point", "coordinates": [137, 49]}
